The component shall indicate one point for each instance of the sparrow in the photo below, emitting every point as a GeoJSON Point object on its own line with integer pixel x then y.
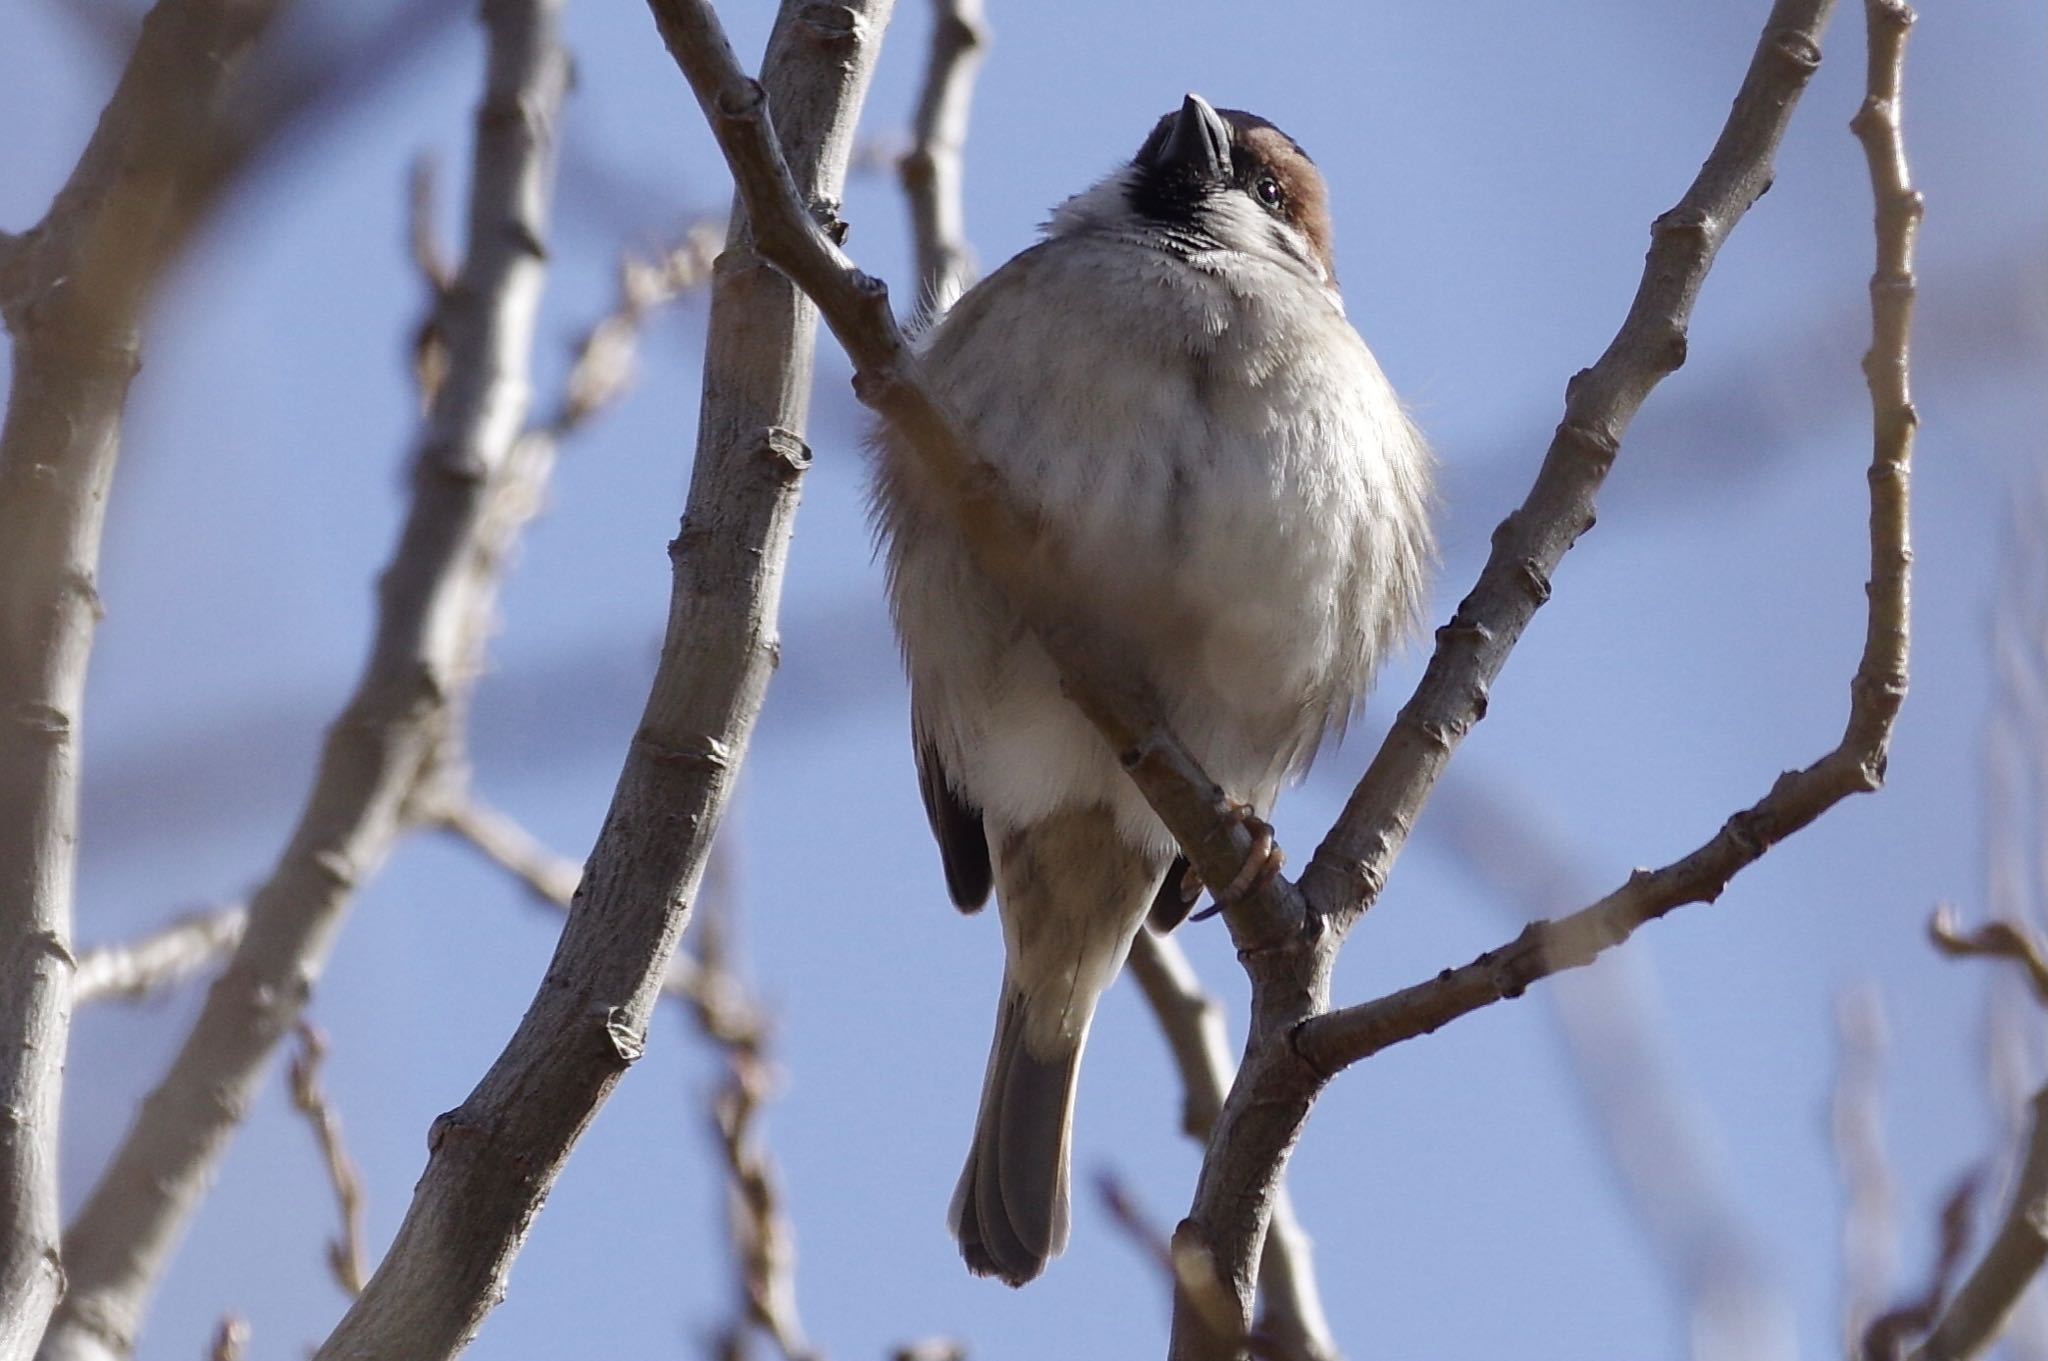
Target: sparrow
{"type": "Point", "coordinates": [1167, 380]}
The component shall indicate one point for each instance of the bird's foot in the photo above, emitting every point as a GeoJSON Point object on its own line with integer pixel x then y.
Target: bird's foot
{"type": "Point", "coordinates": [1260, 866]}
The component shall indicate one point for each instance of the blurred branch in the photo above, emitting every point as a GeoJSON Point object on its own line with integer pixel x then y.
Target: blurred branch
{"type": "Point", "coordinates": [549, 876]}
{"type": "Point", "coordinates": [161, 959]}
{"type": "Point", "coordinates": [1291, 1323]}
{"type": "Point", "coordinates": [1998, 939]}
{"type": "Point", "coordinates": [933, 168]}
{"type": "Point", "coordinates": [1656, 1135]}
{"type": "Point", "coordinates": [709, 985]}
{"type": "Point", "coordinates": [1870, 1229]}
{"type": "Point", "coordinates": [230, 1340]}
{"type": "Point", "coordinates": [1187, 1269]}
{"type": "Point", "coordinates": [344, 1253]}
{"type": "Point", "coordinates": [73, 290]}
{"type": "Point", "coordinates": [386, 740]}
{"type": "Point", "coordinates": [291, 93]}
{"type": "Point", "coordinates": [1979, 1309]}
{"type": "Point", "coordinates": [493, 1159]}
{"type": "Point", "coordinates": [1885, 1341]}
{"type": "Point", "coordinates": [763, 1239]}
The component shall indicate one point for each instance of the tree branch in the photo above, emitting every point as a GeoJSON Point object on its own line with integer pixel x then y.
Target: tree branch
{"type": "Point", "coordinates": [386, 740]}
{"type": "Point", "coordinates": [344, 1252]}
{"type": "Point", "coordinates": [493, 1158]}
{"type": "Point", "coordinates": [1979, 1310]}
{"type": "Point", "coordinates": [72, 291]}
{"type": "Point", "coordinates": [160, 959]}
{"type": "Point", "coordinates": [1017, 551]}
{"type": "Point", "coordinates": [933, 168]}
{"type": "Point", "coordinates": [1294, 1047]}
{"type": "Point", "coordinates": [1292, 1324]}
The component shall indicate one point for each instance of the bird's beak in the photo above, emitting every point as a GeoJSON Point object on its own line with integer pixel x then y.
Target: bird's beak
{"type": "Point", "coordinates": [1199, 141]}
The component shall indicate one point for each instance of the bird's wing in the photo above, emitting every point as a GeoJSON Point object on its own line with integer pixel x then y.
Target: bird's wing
{"type": "Point", "coordinates": [956, 826]}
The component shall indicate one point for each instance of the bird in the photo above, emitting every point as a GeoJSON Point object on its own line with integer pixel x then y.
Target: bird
{"type": "Point", "coordinates": [1168, 381]}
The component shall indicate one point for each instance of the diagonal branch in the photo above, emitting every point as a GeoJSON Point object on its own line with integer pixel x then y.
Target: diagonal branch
{"type": "Point", "coordinates": [73, 290]}
{"type": "Point", "coordinates": [385, 741]}
{"type": "Point", "coordinates": [493, 1159]}
{"type": "Point", "coordinates": [1012, 548]}
{"type": "Point", "coordinates": [1855, 765]}
{"type": "Point", "coordinates": [1292, 1325]}
{"type": "Point", "coordinates": [1295, 1047]}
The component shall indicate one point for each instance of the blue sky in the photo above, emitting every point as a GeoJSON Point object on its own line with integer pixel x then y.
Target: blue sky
{"type": "Point", "coordinates": [1493, 169]}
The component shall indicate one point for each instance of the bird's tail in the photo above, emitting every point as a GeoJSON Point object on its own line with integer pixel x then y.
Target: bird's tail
{"type": "Point", "coordinates": [1011, 1209]}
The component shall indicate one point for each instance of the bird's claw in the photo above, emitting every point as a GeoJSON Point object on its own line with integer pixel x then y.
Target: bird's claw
{"type": "Point", "coordinates": [1261, 865]}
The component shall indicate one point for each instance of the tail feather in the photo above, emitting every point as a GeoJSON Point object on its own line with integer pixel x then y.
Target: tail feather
{"type": "Point", "coordinates": [1011, 1210]}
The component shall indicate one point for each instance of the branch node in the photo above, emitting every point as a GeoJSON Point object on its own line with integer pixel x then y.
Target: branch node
{"type": "Point", "coordinates": [830, 24]}
{"type": "Point", "coordinates": [784, 451]}
{"type": "Point", "coordinates": [626, 1039]}
{"type": "Point", "coordinates": [1797, 49]}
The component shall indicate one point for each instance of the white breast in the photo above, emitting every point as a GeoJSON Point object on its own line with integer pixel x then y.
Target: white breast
{"type": "Point", "coordinates": [1241, 496]}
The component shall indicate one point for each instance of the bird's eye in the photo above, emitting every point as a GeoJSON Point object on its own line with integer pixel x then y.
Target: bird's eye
{"type": "Point", "coordinates": [1267, 190]}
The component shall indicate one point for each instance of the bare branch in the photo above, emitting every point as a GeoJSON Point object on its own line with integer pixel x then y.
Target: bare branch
{"type": "Point", "coordinates": [2001, 940]}
{"type": "Point", "coordinates": [230, 1340]}
{"type": "Point", "coordinates": [1977, 1313]}
{"type": "Point", "coordinates": [72, 292]}
{"type": "Point", "coordinates": [1291, 1323]}
{"type": "Point", "coordinates": [344, 1253]}
{"type": "Point", "coordinates": [1889, 1331]}
{"type": "Point", "coordinates": [393, 729]}
{"type": "Point", "coordinates": [159, 960]}
{"type": "Point", "coordinates": [1018, 551]}
{"type": "Point", "coordinates": [1186, 1268]}
{"type": "Point", "coordinates": [548, 876]}
{"type": "Point", "coordinates": [1295, 1047]}
{"type": "Point", "coordinates": [931, 1349]}
{"type": "Point", "coordinates": [1854, 766]}
{"type": "Point", "coordinates": [1870, 1229]}
{"type": "Point", "coordinates": [729, 1018]}
{"type": "Point", "coordinates": [933, 168]}
{"type": "Point", "coordinates": [603, 367]}
{"type": "Point", "coordinates": [493, 1159]}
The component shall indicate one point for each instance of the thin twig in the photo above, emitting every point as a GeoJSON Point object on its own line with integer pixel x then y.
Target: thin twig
{"type": "Point", "coordinates": [1886, 1338]}
{"type": "Point", "coordinates": [1855, 765]}
{"type": "Point", "coordinates": [230, 1340]}
{"type": "Point", "coordinates": [1185, 1268]}
{"type": "Point", "coordinates": [2003, 940]}
{"type": "Point", "coordinates": [493, 1159]}
{"type": "Point", "coordinates": [73, 291]}
{"type": "Point", "coordinates": [387, 740]}
{"type": "Point", "coordinates": [345, 1252]}
{"type": "Point", "coordinates": [934, 166]}
{"type": "Point", "coordinates": [728, 1016]}
{"type": "Point", "coordinates": [931, 1349]}
{"type": "Point", "coordinates": [1977, 1312]}
{"type": "Point", "coordinates": [161, 959]}
{"type": "Point", "coordinates": [548, 875]}
{"type": "Point", "coordinates": [1870, 1228]}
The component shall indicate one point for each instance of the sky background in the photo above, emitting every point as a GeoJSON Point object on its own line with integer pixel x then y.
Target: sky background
{"type": "Point", "coordinates": [1493, 169]}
